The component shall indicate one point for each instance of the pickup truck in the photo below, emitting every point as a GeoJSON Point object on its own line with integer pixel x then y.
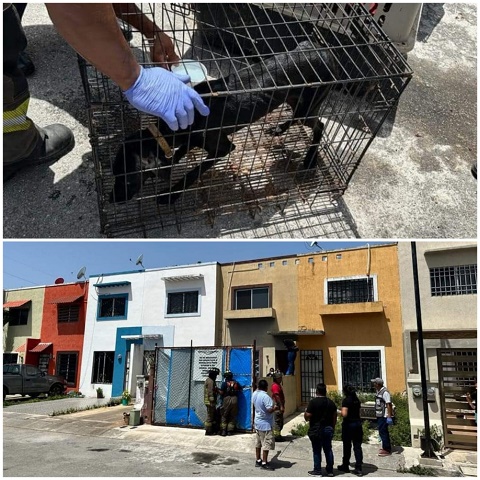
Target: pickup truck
{"type": "Point", "coordinates": [29, 380]}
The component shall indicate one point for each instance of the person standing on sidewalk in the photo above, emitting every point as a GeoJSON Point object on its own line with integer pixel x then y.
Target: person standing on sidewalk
{"type": "Point", "coordinates": [279, 399]}
{"type": "Point", "coordinates": [321, 412]}
{"type": "Point", "coordinates": [383, 412]}
{"type": "Point", "coordinates": [263, 423]}
{"type": "Point", "coordinates": [210, 400]}
{"type": "Point", "coordinates": [229, 391]}
{"type": "Point", "coordinates": [351, 431]}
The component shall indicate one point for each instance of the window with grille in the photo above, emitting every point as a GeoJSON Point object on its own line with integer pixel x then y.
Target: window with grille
{"type": "Point", "coordinates": [359, 367]}
{"type": "Point", "coordinates": [67, 367]}
{"type": "Point", "coordinates": [356, 290]}
{"type": "Point", "coordinates": [102, 367]}
{"type": "Point", "coordinates": [17, 316]}
{"type": "Point", "coordinates": [10, 358]}
{"type": "Point", "coordinates": [248, 298]}
{"type": "Point", "coordinates": [68, 313]}
{"type": "Point", "coordinates": [458, 280]}
{"type": "Point", "coordinates": [112, 307]}
{"type": "Point", "coordinates": [182, 302]}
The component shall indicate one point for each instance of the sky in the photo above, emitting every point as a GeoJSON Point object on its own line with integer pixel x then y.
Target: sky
{"type": "Point", "coordinates": [27, 264]}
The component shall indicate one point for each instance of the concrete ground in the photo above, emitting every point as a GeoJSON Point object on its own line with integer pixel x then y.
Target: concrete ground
{"type": "Point", "coordinates": [32, 422]}
{"type": "Point", "coordinates": [414, 181]}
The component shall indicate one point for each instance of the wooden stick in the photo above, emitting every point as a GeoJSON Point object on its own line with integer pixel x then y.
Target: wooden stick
{"type": "Point", "coordinates": [161, 141]}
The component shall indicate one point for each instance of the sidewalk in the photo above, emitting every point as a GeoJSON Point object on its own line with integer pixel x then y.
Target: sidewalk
{"type": "Point", "coordinates": [108, 423]}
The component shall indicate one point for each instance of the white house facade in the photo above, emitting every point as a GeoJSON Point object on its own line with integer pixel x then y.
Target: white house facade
{"type": "Point", "coordinates": [129, 313]}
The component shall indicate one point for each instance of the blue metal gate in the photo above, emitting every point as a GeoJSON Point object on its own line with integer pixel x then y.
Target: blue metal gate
{"type": "Point", "coordinates": [180, 375]}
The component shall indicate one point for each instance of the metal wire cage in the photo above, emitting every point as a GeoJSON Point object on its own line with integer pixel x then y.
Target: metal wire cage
{"type": "Point", "coordinates": [297, 92]}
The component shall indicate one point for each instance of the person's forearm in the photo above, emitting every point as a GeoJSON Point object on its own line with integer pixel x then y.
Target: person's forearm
{"type": "Point", "coordinates": [131, 14]}
{"type": "Point", "coordinates": [92, 30]}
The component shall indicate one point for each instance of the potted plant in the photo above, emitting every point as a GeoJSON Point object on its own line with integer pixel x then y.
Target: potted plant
{"type": "Point", "coordinates": [436, 438]}
{"type": "Point", "coordinates": [126, 397]}
{"type": "Point", "coordinates": [100, 392]}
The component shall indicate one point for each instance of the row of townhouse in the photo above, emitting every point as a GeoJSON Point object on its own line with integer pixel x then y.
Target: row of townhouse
{"type": "Point", "coordinates": [352, 313]}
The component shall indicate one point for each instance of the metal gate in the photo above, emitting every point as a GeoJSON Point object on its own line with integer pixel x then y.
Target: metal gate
{"type": "Point", "coordinates": [180, 373]}
{"type": "Point", "coordinates": [311, 369]}
{"type": "Point", "coordinates": [457, 374]}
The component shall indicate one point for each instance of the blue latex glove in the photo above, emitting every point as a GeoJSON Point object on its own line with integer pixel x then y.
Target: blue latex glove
{"type": "Point", "coordinates": [389, 421]}
{"type": "Point", "coordinates": [164, 94]}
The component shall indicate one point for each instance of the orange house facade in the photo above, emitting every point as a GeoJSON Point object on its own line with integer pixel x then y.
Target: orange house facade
{"type": "Point", "coordinates": [349, 320]}
{"type": "Point", "coordinates": [62, 331]}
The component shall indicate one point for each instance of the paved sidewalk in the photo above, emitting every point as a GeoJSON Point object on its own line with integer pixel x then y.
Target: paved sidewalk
{"type": "Point", "coordinates": [108, 423]}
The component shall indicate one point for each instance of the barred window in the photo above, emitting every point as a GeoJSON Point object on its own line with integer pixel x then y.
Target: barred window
{"type": "Point", "coordinates": [68, 313]}
{"type": "Point", "coordinates": [457, 280]}
{"type": "Point", "coordinates": [16, 316]}
{"type": "Point", "coordinates": [248, 298]}
{"type": "Point", "coordinates": [357, 290]}
{"type": "Point", "coordinates": [359, 367]}
{"type": "Point", "coordinates": [182, 302]}
{"type": "Point", "coordinates": [112, 307]}
{"type": "Point", "coordinates": [102, 367]}
{"type": "Point", "coordinates": [67, 367]}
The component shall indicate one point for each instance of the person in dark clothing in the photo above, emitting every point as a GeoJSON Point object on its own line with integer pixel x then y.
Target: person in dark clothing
{"type": "Point", "coordinates": [210, 400]}
{"type": "Point", "coordinates": [321, 412]}
{"type": "Point", "coordinates": [351, 431]}
{"type": "Point", "coordinates": [229, 391]}
{"type": "Point", "coordinates": [292, 350]}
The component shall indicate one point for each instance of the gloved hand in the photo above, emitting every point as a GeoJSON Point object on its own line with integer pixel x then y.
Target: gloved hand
{"type": "Point", "coordinates": [164, 94]}
{"type": "Point", "coordinates": [389, 421]}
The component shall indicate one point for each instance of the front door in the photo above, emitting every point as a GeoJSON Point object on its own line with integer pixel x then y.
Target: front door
{"type": "Point", "coordinates": [311, 369]}
{"type": "Point", "coordinates": [457, 370]}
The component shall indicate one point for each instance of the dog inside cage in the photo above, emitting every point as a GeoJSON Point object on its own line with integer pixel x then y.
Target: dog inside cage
{"type": "Point", "coordinates": [296, 94]}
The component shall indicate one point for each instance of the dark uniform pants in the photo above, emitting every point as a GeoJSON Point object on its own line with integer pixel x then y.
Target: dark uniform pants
{"type": "Point", "coordinates": [210, 423]}
{"type": "Point", "coordinates": [229, 413]}
{"type": "Point", "coordinates": [20, 135]}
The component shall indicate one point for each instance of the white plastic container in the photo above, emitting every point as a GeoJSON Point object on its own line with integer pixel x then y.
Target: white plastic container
{"type": "Point", "coordinates": [196, 70]}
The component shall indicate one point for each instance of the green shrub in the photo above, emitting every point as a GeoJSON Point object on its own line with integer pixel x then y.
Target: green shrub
{"type": "Point", "coordinates": [418, 470]}
{"type": "Point", "coordinates": [400, 431]}
{"type": "Point", "coordinates": [300, 430]}
{"type": "Point", "coordinates": [336, 397]}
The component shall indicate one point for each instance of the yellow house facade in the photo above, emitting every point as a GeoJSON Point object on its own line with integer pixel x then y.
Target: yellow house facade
{"type": "Point", "coordinates": [342, 307]}
{"type": "Point", "coordinates": [349, 315]}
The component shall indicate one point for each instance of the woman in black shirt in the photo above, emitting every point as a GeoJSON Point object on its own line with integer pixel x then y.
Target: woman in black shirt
{"type": "Point", "coordinates": [351, 431]}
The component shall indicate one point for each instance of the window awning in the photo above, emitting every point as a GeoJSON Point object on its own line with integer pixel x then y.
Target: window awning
{"type": "Point", "coordinates": [111, 284]}
{"type": "Point", "coordinates": [182, 278]}
{"type": "Point", "coordinates": [15, 303]}
{"type": "Point", "coordinates": [296, 333]}
{"type": "Point", "coordinates": [40, 347]}
{"type": "Point", "coordinates": [153, 336]}
{"type": "Point", "coordinates": [21, 348]}
{"type": "Point", "coordinates": [67, 299]}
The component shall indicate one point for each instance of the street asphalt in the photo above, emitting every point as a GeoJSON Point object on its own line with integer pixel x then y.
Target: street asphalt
{"type": "Point", "coordinates": [98, 443]}
{"type": "Point", "coordinates": [414, 181]}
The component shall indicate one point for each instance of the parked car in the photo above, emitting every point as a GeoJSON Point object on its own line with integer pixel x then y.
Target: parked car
{"type": "Point", "coordinates": [29, 380]}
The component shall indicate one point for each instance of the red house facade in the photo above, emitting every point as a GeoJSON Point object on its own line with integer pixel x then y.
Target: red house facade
{"type": "Point", "coordinates": [62, 332]}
